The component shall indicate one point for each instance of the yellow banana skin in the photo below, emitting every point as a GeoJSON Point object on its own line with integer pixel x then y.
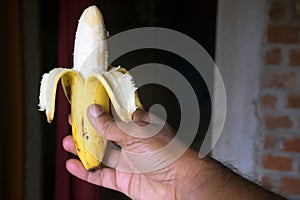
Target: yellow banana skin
{"type": "Point", "coordinates": [90, 82]}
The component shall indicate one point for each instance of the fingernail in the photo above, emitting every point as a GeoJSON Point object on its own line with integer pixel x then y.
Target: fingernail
{"type": "Point", "coordinates": [95, 110]}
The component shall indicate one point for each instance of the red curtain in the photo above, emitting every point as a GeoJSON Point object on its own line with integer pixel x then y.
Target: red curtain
{"type": "Point", "coordinates": [68, 187]}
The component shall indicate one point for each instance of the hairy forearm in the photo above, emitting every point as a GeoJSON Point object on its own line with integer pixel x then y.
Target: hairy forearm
{"type": "Point", "coordinates": [208, 179]}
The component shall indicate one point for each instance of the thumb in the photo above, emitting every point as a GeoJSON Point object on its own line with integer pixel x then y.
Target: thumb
{"type": "Point", "coordinates": [105, 125]}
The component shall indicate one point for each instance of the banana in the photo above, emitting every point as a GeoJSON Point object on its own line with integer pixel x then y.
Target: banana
{"type": "Point", "coordinates": [90, 81]}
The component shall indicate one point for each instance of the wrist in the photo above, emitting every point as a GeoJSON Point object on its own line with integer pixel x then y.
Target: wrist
{"type": "Point", "coordinates": [208, 179]}
{"type": "Point", "coordinates": [192, 183]}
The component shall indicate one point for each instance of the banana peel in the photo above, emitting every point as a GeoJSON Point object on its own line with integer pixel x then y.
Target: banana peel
{"type": "Point", "coordinates": [90, 81]}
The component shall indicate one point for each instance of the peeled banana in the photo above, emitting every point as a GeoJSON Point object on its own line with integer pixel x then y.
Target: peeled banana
{"type": "Point", "coordinates": [90, 81]}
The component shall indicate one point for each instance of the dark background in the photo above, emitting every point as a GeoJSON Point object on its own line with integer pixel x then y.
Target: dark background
{"type": "Point", "coordinates": [194, 18]}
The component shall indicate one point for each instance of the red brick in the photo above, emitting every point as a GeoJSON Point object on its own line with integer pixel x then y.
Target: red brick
{"type": "Point", "coordinates": [270, 141]}
{"type": "Point", "coordinates": [293, 101]}
{"type": "Point", "coordinates": [273, 56]}
{"type": "Point", "coordinates": [277, 121]}
{"type": "Point", "coordinates": [294, 58]}
{"type": "Point", "coordinates": [292, 144]}
{"type": "Point", "coordinates": [266, 182]}
{"type": "Point", "coordinates": [285, 34]}
{"type": "Point", "coordinates": [280, 80]}
{"type": "Point", "coordinates": [290, 185]}
{"type": "Point", "coordinates": [268, 101]}
{"type": "Point", "coordinates": [279, 163]}
{"type": "Point", "coordinates": [277, 10]}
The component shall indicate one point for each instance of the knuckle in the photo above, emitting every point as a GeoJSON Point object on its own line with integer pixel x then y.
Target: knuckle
{"type": "Point", "coordinates": [107, 126]}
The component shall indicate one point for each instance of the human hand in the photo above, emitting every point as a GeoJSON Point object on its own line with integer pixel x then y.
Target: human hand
{"type": "Point", "coordinates": [169, 176]}
{"type": "Point", "coordinates": [148, 177]}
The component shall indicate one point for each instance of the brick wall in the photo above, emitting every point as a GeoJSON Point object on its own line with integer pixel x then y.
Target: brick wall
{"type": "Point", "coordinates": [279, 101]}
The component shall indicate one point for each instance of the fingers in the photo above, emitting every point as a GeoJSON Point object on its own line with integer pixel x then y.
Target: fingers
{"type": "Point", "coordinates": [105, 125]}
{"type": "Point", "coordinates": [105, 177]}
{"type": "Point", "coordinates": [144, 125]}
{"type": "Point", "coordinates": [118, 160]}
{"type": "Point", "coordinates": [111, 157]}
{"type": "Point", "coordinates": [140, 115]}
{"type": "Point", "coordinates": [70, 119]}
{"type": "Point", "coordinates": [68, 144]}
{"type": "Point", "coordinates": [150, 118]}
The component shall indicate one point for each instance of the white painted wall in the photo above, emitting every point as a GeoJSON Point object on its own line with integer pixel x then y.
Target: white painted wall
{"type": "Point", "coordinates": [240, 28]}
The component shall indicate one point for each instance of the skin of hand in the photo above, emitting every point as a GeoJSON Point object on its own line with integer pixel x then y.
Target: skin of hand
{"type": "Point", "coordinates": [187, 177]}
